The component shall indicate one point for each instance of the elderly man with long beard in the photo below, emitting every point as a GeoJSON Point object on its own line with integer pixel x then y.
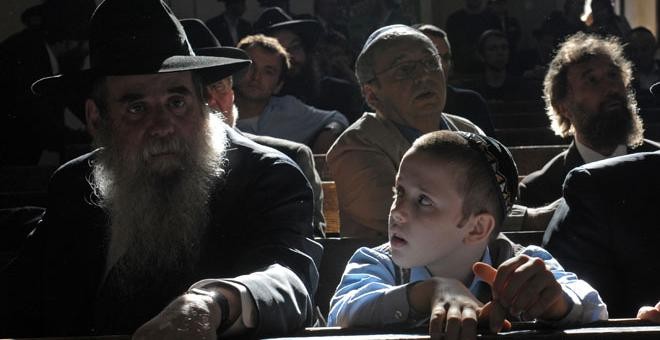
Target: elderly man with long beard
{"type": "Point", "coordinates": [176, 226]}
{"type": "Point", "coordinates": [589, 96]}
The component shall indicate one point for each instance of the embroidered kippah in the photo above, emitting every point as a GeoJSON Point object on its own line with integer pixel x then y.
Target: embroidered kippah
{"type": "Point", "coordinates": [500, 161]}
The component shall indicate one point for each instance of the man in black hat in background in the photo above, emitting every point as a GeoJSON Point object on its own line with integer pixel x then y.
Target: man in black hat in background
{"type": "Point", "coordinates": [176, 225]}
{"type": "Point", "coordinates": [229, 27]}
{"type": "Point", "coordinates": [304, 80]}
{"type": "Point", "coordinates": [220, 97]}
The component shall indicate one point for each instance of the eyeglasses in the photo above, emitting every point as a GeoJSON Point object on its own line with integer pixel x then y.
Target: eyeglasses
{"type": "Point", "coordinates": [409, 69]}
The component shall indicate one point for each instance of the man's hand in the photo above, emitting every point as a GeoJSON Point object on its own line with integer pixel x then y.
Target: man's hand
{"type": "Point", "coordinates": [190, 316]}
{"type": "Point", "coordinates": [649, 313]}
{"type": "Point", "coordinates": [524, 286]}
{"type": "Point", "coordinates": [452, 307]}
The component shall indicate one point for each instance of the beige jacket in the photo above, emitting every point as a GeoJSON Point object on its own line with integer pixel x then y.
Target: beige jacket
{"type": "Point", "coordinates": [363, 162]}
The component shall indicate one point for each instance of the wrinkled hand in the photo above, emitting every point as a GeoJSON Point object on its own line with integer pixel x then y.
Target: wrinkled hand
{"type": "Point", "coordinates": [189, 316]}
{"type": "Point", "coordinates": [524, 286]}
{"type": "Point", "coordinates": [649, 313]}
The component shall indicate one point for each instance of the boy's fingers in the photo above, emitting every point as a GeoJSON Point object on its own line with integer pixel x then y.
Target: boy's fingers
{"type": "Point", "coordinates": [505, 270]}
{"type": "Point", "coordinates": [437, 322]}
{"type": "Point", "coordinates": [469, 324]}
{"type": "Point", "coordinates": [492, 315]}
{"type": "Point", "coordinates": [485, 272]}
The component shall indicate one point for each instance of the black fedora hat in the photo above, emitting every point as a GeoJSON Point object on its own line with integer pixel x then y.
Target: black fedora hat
{"type": "Point", "coordinates": [205, 43]}
{"type": "Point", "coordinates": [274, 19]}
{"type": "Point", "coordinates": [131, 37]}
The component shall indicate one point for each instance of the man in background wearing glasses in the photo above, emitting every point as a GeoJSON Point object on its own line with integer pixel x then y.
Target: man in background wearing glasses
{"type": "Point", "coordinates": [401, 77]}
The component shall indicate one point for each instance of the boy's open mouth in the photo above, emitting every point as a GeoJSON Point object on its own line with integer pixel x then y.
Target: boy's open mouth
{"type": "Point", "coordinates": [396, 241]}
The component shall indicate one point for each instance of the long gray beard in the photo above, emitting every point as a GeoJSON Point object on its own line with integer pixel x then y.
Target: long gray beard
{"type": "Point", "coordinates": [158, 212]}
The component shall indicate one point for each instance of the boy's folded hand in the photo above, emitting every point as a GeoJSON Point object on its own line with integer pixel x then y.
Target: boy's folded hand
{"type": "Point", "coordinates": [452, 307]}
{"type": "Point", "coordinates": [524, 286]}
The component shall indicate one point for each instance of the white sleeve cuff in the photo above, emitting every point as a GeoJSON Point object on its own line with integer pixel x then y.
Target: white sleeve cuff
{"type": "Point", "coordinates": [248, 317]}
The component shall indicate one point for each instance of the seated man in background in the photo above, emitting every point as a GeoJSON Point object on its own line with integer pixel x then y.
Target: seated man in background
{"type": "Point", "coordinates": [285, 117]}
{"type": "Point", "coordinates": [607, 230]}
{"type": "Point", "coordinates": [588, 95]}
{"type": "Point", "coordinates": [462, 102]}
{"type": "Point", "coordinates": [402, 79]}
{"type": "Point", "coordinates": [452, 193]}
{"type": "Point", "coordinates": [220, 97]}
{"type": "Point", "coordinates": [176, 222]}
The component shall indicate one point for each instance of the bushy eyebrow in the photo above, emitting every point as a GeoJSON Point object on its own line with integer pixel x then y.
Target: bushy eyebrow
{"type": "Point", "coordinates": [179, 90]}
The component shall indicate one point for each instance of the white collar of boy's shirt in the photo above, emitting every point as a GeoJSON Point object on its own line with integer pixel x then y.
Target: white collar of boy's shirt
{"type": "Point", "coordinates": [421, 273]}
{"type": "Point", "coordinates": [589, 155]}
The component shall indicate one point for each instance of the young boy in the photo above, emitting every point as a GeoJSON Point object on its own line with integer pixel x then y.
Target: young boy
{"type": "Point", "coordinates": [452, 192]}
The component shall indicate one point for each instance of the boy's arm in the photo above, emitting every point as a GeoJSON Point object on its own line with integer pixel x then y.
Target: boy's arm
{"type": "Point", "coordinates": [367, 294]}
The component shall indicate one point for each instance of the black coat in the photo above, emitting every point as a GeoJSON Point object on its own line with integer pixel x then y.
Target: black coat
{"type": "Point", "coordinates": [261, 221]}
{"type": "Point", "coordinates": [607, 230]}
{"type": "Point", "coordinates": [544, 186]}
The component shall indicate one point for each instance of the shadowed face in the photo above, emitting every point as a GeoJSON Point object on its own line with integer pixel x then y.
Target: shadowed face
{"type": "Point", "coordinates": [409, 81]}
{"type": "Point", "coordinates": [263, 79]}
{"type": "Point", "coordinates": [597, 103]}
{"type": "Point", "coordinates": [154, 117]}
{"type": "Point", "coordinates": [426, 215]}
{"type": "Point", "coordinates": [294, 46]}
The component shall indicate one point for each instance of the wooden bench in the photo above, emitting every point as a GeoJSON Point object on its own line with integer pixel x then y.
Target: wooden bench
{"type": "Point", "coordinates": [322, 167]}
{"type": "Point", "coordinates": [330, 208]}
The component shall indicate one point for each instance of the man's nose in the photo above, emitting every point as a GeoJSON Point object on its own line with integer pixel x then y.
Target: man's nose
{"type": "Point", "coordinates": [163, 123]}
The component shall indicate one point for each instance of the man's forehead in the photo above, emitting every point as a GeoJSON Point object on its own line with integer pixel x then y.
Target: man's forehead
{"type": "Point", "coordinates": [404, 49]}
{"type": "Point", "coordinates": [149, 83]}
{"type": "Point", "coordinates": [590, 64]}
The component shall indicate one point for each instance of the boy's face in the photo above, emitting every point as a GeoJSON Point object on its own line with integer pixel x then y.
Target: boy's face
{"type": "Point", "coordinates": [426, 212]}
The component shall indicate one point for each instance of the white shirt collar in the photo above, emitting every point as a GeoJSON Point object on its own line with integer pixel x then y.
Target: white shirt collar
{"type": "Point", "coordinates": [589, 155]}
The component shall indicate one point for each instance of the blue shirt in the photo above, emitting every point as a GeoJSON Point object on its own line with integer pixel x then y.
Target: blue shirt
{"type": "Point", "coordinates": [368, 295]}
{"type": "Point", "coordinates": [289, 118]}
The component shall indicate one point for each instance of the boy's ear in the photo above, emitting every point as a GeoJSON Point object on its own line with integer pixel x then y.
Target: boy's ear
{"type": "Point", "coordinates": [480, 228]}
{"type": "Point", "coordinates": [92, 117]}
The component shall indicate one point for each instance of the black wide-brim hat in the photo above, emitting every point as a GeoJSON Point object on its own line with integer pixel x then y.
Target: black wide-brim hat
{"type": "Point", "coordinates": [274, 19]}
{"type": "Point", "coordinates": [130, 37]}
{"type": "Point", "coordinates": [205, 43]}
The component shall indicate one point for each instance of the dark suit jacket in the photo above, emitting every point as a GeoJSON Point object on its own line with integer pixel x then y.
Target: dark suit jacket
{"type": "Point", "coordinates": [544, 186]}
{"type": "Point", "coordinates": [607, 230]}
{"type": "Point", "coordinates": [260, 234]}
{"type": "Point", "coordinates": [218, 25]}
{"type": "Point", "coordinates": [303, 156]}
{"type": "Point", "coordinates": [471, 105]}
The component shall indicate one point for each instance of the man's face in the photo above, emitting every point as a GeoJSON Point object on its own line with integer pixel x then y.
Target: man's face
{"type": "Point", "coordinates": [496, 52]}
{"type": "Point", "coordinates": [421, 93]}
{"type": "Point", "coordinates": [597, 103]}
{"type": "Point", "coordinates": [444, 52]}
{"type": "Point", "coordinates": [221, 98]}
{"type": "Point", "coordinates": [263, 78]}
{"type": "Point", "coordinates": [426, 215]}
{"type": "Point", "coordinates": [294, 46]}
{"type": "Point", "coordinates": [151, 117]}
